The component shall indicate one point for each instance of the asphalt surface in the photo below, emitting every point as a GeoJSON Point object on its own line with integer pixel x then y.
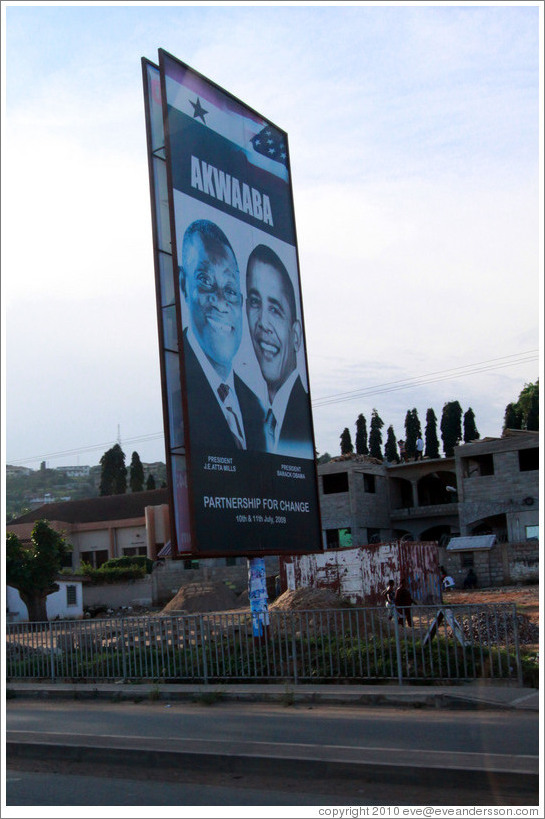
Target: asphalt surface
{"type": "Point", "coordinates": [61, 789]}
{"type": "Point", "coordinates": [480, 738]}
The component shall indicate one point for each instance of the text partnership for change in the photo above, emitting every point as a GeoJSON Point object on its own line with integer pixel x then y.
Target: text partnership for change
{"type": "Point", "coordinates": [219, 502]}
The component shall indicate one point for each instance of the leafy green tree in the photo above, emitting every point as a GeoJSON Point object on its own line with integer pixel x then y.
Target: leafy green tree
{"type": "Point", "coordinates": [346, 442]}
{"type": "Point", "coordinates": [113, 476]}
{"type": "Point", "coordinates": [413, 430]}
{"type": "Point", "coordinates": [432, 442]}
{"type": "Point", "coordinates": [375, 436]}
{"type": "Point", "coordinates": [362, 447]}
{"type": "Point", "coordinates": [532, 418]}
{"type": "Point", "coordinates": [150, 483]}
{"type": "Point", "coordinates": [529, 404]}
{"type": "Point", "coordinates": [524, 413]}
{"type": "Point", "coordinates": [471, 433]}
{"type": "Point", "coordinates": [513, 417]}
{"type": "Point", "coordinates": [451, 427]}
{"type": "Point", "coordinates": [136, 480]}
{"type": "Point", "coordinates": [390, 447]}
{"type": "Point", "coordinates": [32, 569]}
{"type": "Point", "coordinates": [325, 458]}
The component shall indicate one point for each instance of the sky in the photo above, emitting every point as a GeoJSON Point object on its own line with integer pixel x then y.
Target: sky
{"type": "Point", "coordinates": [415, 144]}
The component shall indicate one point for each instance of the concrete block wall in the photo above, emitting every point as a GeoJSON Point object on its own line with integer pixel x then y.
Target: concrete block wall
{"type": "Point", "coordinates": [502, 565]}
{"type": "Point", "coordinates": [371, 509]}
{"type": "Point", "coordinates": [114, 595]}
{"type": "Point", "coordinates": [523, 561]}
{"type": "Point", "coordinates": [168, 578]}
{"type": "Point", "coordinates": [356, 508]}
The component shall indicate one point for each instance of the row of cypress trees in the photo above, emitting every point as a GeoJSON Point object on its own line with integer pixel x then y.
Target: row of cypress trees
{"type": "Point", "coordinates": [113, 476]}
{"type": "Point", "coordinates": [451, 434]}
{"type": "Point", "coordinates": [520, 414]}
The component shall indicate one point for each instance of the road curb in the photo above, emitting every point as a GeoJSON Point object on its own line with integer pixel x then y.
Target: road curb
{"type": "Point", "coordinates": [286, 767]}
{"type": "Point", "coordinates": [286, 695]}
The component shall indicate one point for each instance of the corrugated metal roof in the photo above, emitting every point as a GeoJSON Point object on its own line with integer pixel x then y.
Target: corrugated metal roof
{"type": "Point", "coordinates": [461, 544]}
{"type": "Point", "coordinates": [166, 551]}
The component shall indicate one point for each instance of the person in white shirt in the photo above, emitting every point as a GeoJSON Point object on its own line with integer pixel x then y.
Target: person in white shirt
{"type": "Point", "coordinates": [276, 335]}
{"type": "Point", "coordinates": [419, 448]}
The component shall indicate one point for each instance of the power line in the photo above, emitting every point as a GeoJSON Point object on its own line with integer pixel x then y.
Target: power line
{"type": "Point", "coordinates": [65, 452]}
{"type": "Point", "coordinates": [430, 378]}
{"type": "Point", "coordinates": [340, 397]}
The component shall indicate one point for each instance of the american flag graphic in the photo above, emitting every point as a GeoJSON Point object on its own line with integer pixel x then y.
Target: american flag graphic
{"type": "Point", "coordinates": [270, 142]}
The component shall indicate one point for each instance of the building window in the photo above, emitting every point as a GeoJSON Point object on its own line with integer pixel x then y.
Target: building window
{"type": "Point", "coordinates": [529, 459]}
{"type": "Point", "coordinates": [95, 558]}
{"type": "Point", "coordinates": [191, 564]}
{"type": "Point", "coordinates": [336, 482]}
{"type": "Point", "coordinates": [338, 538]}
{"type": "Point", "coordinates": [66, 561]}
{"type": "Point", "coordinates": [71, 595]}
{"type": "Point", "coordinates": [132, 551]}
{"type": "Point", "coordinates": [369, 483]}
{"type": "Point", "coordinates": [373, 535]}
{"type": "Point", "coordinates": [478, 466]}
{"type": "Point", "coordinates": [532, 532]}
{"type": "Point", "coordinates": [467, 560]}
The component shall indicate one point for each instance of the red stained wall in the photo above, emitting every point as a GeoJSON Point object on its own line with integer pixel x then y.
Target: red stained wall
{"type": "Point", "coordinates": [362, 573]}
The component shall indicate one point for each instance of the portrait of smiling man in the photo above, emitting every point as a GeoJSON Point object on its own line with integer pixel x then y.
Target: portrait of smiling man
{"type": "Point", "coordinates": [276, 334]}
{"type": "Point", "coordinates": [223, 412]}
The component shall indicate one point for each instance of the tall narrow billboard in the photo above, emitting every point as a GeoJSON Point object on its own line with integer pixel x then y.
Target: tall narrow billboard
{"type": "Point", "coordinates": [249, 442]}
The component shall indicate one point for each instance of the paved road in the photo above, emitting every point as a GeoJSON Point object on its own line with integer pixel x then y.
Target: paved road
{"type": "Point", "coordinates": [399, 737]}
{"type": "Point", "coordinates": [482, 732]}
{"type": "Point", "coordinates": [41, 788]}
{"type": "Point", "coordinates": [76, 784]}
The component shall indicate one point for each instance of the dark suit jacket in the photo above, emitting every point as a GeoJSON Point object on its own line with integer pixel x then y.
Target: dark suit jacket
{"type": "Point", "coordinates": [206, 420]}
{"type": "Point", "coordinates": [296, 426]}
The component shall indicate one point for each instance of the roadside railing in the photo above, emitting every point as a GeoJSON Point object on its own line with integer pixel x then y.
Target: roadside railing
{"type": "Point", "coordinates": [451, 643]}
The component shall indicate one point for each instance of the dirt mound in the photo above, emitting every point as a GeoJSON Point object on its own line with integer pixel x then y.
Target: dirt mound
{"type": "Point", "coordinates": [202, 597]}
{"type": "Point", "coordinates": [243, 599]}
{"type": "Point", "coordinates": [309, 598]}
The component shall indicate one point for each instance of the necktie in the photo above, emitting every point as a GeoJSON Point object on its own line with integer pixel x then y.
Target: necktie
{"type": "Point", "coordinates": [270, 430]}
{"type": "Point", "coordinates": [231, 416]}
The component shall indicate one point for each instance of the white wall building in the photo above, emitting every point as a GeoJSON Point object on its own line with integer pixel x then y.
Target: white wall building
{"type": "Point", "coordinates": [74, 471]}
{"type": "Point", "coordinates": [64, 604]}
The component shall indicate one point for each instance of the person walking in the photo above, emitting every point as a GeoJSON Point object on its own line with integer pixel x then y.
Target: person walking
{"type": "Point", "coordinates": [403, 602]}
{"type": "Point", "coordinates": [389, 595]}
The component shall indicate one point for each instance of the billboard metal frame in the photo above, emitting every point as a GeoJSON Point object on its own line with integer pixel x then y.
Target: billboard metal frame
{"type": "Point", "coordinates": [195, 551]}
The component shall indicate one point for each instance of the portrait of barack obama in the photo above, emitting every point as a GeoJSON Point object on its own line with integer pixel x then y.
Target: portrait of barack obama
{"type": "Point", "coordinates": [224, 414]}
{"type": "Point", "coordinates": [276, 335]}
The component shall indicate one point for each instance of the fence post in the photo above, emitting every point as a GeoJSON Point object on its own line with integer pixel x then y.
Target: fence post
{"type": "Point", "coordinates": [123, 650]}
{"type": "Point", "coordinates": [398, 651]}
{"type": "Point", "coordinates": [204, 661]}
{"type": "Point", "coordinates": [52, 655]}
{"type": "Point", "coordinates": [293, 649]}
{"type": "Point", "coordinates": [517, 646]}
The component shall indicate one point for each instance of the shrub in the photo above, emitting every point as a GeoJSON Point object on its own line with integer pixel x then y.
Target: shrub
{"type": "Point", "coordinates": [112, 574]}
{"type": "Point", "coordinates": [125, 562]}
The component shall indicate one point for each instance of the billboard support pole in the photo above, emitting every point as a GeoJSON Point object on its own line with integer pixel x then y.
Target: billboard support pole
{"type": "Point", "coordinates": [259, 600]}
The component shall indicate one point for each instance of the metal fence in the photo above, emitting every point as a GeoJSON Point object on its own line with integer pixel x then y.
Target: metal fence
{"type": "Point", "coordinates": [356, 644]}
